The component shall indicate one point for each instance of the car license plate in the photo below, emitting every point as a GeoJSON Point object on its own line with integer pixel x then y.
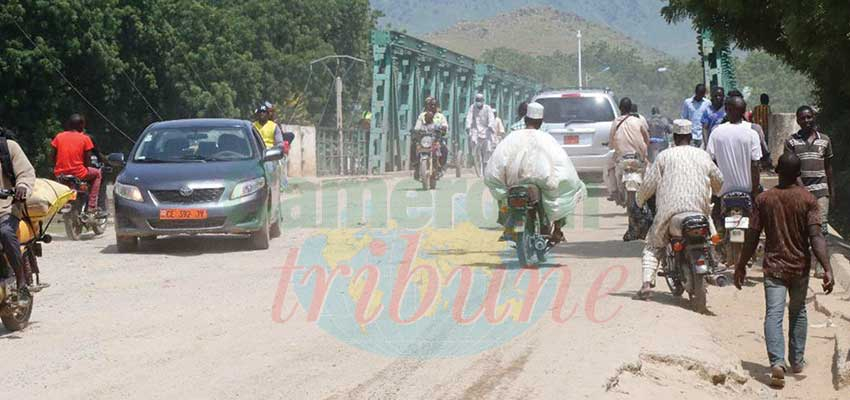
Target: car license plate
{"type": "Point", "coordinates": [184, 214]}
{"type": "Point", "coordinates": [571, 139]}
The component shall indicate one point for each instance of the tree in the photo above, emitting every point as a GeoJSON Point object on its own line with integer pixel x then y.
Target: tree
{"type": "Point", "coordinates": [127, 63]}
{"type": "Point", "coordinates": [812, 37]}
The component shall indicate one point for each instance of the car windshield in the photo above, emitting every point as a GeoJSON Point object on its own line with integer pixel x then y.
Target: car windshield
{"type": "Point", "coordinates": [568, 110]}
{"type": "Point", "coordinates": [194, 145]}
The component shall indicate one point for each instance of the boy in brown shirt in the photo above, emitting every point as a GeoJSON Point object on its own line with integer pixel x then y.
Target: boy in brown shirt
{"type": "Point", "coordinates": [790, 217]}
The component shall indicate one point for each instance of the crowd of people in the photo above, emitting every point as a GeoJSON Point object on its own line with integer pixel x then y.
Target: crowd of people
{"type": "Point", "coordinates": [718, 147]}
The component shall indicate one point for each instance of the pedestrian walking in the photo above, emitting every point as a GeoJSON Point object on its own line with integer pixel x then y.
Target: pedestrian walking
{"type": "Point", "coordinates": [790, 218]}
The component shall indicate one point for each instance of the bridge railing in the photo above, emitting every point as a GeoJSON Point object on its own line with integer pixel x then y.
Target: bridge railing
{"type": "Point", "coordinates": [406, 70]}
{"type": "Point", "coordinates": [352, 160]}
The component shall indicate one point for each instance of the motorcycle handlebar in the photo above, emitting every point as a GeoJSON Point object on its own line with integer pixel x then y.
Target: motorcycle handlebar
{"type": "Point", "coordinates": [6, 193]}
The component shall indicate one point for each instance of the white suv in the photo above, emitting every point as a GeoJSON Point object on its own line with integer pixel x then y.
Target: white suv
{"type": "Point", "coordinates": [580, 120]}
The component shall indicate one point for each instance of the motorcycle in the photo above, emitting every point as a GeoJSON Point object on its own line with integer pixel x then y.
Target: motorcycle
{"type": "Point", "coordinates": [75, 214]}
{"type": "Point", "coordinates": [15, 309]}
{"type": "Point", "coordinates": [688, 265]}
{"type": "Point", "coordinates": [428, 151]}
{"type": "Point", "coordinates": [527, 220]}
{"type": "Point", "coordinates": [633, 168]}
{"type": "Point", "coordinates": [737, 210]}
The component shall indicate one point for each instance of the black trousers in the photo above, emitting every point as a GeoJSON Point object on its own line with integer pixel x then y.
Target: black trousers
{"type": "Point", "coordinates": [10, 243]}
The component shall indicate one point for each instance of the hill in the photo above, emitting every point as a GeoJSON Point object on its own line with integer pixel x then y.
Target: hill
{"type": "Point", "coordinates": [535, 31]}
{"type": "Point", "coordinates": [638, 19]}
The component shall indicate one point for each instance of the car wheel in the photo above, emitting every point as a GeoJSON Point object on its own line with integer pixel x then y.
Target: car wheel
{"type": "Point", "coordinates": [274, 230]}
{"type": "Point", "coordinates": [127, 244]}
{"type": "Point", "coordinates": [260, 238]}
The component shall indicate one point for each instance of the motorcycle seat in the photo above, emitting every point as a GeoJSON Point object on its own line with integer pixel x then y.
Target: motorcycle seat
{"type": "Point", "coordinates": [533, 192]}
{"type": "Point", "coordinates": [69, 178]}
{"type": "Point", "coordinates": [737, 200]}
{"type": "Point", "coordinates": [678, 222]}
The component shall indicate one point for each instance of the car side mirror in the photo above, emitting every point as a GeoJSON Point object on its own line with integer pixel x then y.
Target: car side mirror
{"type": "Point", "coordinates": [275, 154]}
{"type": "Point", "coordinates": [116, 159]}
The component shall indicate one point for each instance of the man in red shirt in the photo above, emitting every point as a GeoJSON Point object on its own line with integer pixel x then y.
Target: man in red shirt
{"type": "Point", "coordinates": [72, 151]}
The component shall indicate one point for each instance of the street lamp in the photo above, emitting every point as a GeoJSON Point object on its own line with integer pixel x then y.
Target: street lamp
{"type": "Point", "coordinates": [579, 59]}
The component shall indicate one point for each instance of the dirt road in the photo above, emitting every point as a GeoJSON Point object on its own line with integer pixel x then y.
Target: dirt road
{"type": "Point", "coordinates": [200, 318]}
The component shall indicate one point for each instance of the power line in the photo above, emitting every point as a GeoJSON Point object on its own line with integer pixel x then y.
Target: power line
{"type": "Point", "coordinates": [68, 81]}
{"type": "Point", "coordinates": [142, 95]}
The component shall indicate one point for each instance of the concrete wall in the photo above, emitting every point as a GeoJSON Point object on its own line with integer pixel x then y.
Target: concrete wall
{"type": "Point", "coordinates": [302, 155]}
{"type": "Point", "coordinates": [782, 126]}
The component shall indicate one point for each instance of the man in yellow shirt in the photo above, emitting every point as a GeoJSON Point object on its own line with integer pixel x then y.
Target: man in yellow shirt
{"type": "Point", "coordinates": [269, 130]}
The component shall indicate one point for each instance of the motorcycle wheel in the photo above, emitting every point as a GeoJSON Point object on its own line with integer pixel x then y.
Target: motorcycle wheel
{"type": "Point", "coordinates": [523, 245]}
{"type": "Point", "coordinates": [699, 293]}
{"type": "Point", "coordinates": [424, 177]}
{"type": "Point", "coordinates": [672, 278]}
{"type": "Point", "coordinates": [433, 182]}
{"type": "Point", "coordinates": [733, 253]}
{"type": "Point", "coordinates": [99, 227]}
{"type": "Point", "coordinates": [73, 227]}
{"type": "Point", "coordinates": [18, 319]}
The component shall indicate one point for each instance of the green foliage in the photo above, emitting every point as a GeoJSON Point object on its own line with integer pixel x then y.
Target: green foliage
{"type": "Point", "coordinates": [812, 37]}
{"type": "Point", "coordinates": [139, 61]}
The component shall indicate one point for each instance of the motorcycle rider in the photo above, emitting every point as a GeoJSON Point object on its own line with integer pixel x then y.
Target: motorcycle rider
{"type": "Point", "coordinates": [440, 124]}
{"type": "Point", "coordinates": [16, 172]}
{"type": "Point", "coordinates": [629, 135]}
{"type": "Point", "coordinates": [269, 130]}
{"type": "Point", "coordinates": [72, 153]}
{"type": "Point", "coordinates": [678, 181]}
{"type": "Point", "coordinates": [480, 123]}
{"type": "Point", "coordinates": [518, 158]}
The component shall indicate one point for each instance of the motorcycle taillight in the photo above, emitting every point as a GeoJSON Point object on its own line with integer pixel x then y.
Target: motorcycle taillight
{"type": "Point", "coordinates": [84, 187]}
{"type": "Point", "coordinates": [518, 202]}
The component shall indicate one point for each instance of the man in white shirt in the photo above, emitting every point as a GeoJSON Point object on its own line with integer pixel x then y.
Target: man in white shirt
{"type": "Point", "coordinates": [736, 149]}
{"type": "Point", "coordinates": [479, 124]}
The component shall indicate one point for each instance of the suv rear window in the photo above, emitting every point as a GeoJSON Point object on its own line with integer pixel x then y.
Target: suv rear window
{"type": "Point", "coordinates": [569, 110]}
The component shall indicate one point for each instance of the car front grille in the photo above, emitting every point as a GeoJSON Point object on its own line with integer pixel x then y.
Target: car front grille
{"type": "Point", "coordinates": [197, 196]}
{"type": "Point", "coordinates": [209, 223]}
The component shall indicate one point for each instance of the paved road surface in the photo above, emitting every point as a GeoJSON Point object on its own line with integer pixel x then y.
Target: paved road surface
{"type": "Point", "coordinates": [195, 318]}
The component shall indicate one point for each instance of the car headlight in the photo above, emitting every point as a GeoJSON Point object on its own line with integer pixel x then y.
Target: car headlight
{"type": "Point", "coordinates": [426, 141]}
{"type": "Point", "coordinates": [247, 188]}
{"type": "Point", "coordinates": [128, 192]}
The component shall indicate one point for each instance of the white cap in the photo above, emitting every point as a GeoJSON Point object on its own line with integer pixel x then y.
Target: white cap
{"type": "Point", "coordinates": [682, 127]}
{"type": "Point", "coordinates": [479, 98]}
{"type": "Point", "coordinates": [535, 111]}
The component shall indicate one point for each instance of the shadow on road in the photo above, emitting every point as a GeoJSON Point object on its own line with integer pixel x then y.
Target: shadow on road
{"type": "Point", "coordinates": [189, 246]}
{"type": "Point", "coordinates": [665, 298]}
{"type": "Point", "coordinates": [606, 249]}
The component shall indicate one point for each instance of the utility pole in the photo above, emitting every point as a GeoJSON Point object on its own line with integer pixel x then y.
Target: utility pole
{"type": "Point", "coordinates": [338, 86]}
{"type": "Point", "coordinates": [579, 59]}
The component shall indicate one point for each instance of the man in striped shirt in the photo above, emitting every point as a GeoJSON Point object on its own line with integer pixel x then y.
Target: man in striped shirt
{"type": "Point", "coordinates": [814, 149]}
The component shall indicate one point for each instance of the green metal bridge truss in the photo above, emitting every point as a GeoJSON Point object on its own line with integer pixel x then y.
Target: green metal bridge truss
{"type": "Point", "coordinates": [716, 61]}
{"type": "Point", "coordinates": [406, 70]}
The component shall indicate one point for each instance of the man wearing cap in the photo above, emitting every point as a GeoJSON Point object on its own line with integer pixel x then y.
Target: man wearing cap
{"type": "Point", "coordinates": [440, 123]}
{"type": "Point", "coordinates": [533, 157]}
{"type": "Point", "coordinates": [269, 130]}
{"type": "Point", "coordinates": [480, 123]}
{"type": "Point", "coordinates": [678, 181]}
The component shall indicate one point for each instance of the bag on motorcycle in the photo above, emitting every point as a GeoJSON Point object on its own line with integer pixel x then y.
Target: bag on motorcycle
{"type": "Point", "coordinates": [47, 198]}
{"type": "Point", "coordinates": [532, 157]}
